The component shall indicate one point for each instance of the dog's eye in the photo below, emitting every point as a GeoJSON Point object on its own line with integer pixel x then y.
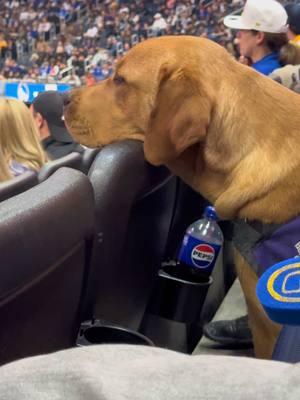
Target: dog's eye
{"type": "Point", "coordinates": [119, 80]}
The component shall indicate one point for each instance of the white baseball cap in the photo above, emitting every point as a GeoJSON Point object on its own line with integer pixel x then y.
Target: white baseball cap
{"type": "Point", "coordinates": [260, 15]}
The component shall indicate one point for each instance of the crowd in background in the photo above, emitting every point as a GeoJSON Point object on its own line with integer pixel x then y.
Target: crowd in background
{"type": "Point", "coordinates": [82, 39]}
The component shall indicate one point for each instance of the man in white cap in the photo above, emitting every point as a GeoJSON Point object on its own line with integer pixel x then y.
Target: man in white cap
{"type": "Point", "coordinates": [262, 28]}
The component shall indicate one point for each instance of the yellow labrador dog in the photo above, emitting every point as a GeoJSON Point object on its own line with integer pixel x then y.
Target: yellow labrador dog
{"type": "Point", "coordinates": [229, 132]}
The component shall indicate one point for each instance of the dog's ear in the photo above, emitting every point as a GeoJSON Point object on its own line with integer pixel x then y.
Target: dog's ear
{"type": "Point", "coordinates": [180, 116]}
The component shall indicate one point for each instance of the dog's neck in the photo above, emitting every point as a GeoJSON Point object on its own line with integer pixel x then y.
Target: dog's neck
{"type": "Point", "coordinates": [254, 175]}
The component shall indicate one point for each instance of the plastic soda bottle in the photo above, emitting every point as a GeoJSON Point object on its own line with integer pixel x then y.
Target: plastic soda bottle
{"type": "Point", "coordinates": [201, 244]}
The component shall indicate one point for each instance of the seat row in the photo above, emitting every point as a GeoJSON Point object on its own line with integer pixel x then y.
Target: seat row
{"type": "Point", "coordinates": [85, 243]}
{"type": "Point", "coordinates": [29, 179]}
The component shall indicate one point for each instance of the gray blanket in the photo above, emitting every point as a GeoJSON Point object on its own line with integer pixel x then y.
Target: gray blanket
{"type": "Point", "coordinates": [119, 372]}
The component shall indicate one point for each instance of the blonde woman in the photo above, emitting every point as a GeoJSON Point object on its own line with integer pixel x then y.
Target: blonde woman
{"type": "Point", "coordinates": [19, 139]}
{"type": "Point", "coordinates": [4, 170]}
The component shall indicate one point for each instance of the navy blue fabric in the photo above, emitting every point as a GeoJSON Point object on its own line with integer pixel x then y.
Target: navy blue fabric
{"type": "Point", "coordinates": [263, 246]}
{"type": "Point", "coordinates": [284, 243]}
{"type": "Point", "coordinates": [288, 345]}
{"type": "Point", "coordinates": [247, 236]}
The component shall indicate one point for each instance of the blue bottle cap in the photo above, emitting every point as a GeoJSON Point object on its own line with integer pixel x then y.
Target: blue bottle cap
{"type": "Point", "coordinates": [278, 290]}
{"type": "Point", "coordinates": [210, 212]}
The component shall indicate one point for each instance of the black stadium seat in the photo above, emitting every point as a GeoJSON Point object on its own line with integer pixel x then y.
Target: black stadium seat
{"type": "Point", "coordinates": [73, 160]}
{"type": "Point", "coordinates": [88, 157]}
{"type": "Point", "coordinates": [17, 185]}
{"type": "Point", "coordinates": [46, 236]}
{"type": "Point", "coordinates": [188, 209]}
{"type": "Point", "coordinates": [134, 208]}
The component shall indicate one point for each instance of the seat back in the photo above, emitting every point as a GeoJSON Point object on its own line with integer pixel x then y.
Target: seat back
{"type": "Point", "coordinates": [45, 244]}
{"type": "Point", "coordinates": [17, 185]}
{"type": "Point", "coordinates": [73, 160]}
{"type": "Point", "coordinates": [88, 156]}
{"type": "Point", "coordinates": [189, 208]}
{"type": "Point", "coordinates": [134, 208]}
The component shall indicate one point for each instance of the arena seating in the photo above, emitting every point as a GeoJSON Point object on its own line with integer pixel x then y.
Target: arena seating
{"type": "Point", "coordinates": [88, 157]}
{"type": "Point", "coordinates": [73, 160]}
{"type": "Point", "coordinates": [80, 162]}
{"type": "Point", "coordinates": [80, 41]}
{"type": "Point", "coordinates": [141, 214]}
{"type": "Point", "coordinates": [46, 243]}
{"type": "Point", "coordinates": [18, 185]}
{"type": "Point", "coordinates": [134, 210]}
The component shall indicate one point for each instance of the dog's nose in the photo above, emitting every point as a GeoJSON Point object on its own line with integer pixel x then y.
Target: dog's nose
{"type": "Point", "coordinates": [66, 98]}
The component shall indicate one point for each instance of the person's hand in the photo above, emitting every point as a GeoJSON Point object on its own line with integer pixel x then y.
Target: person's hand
{"type": "Point", "coordinates": [244, 60]}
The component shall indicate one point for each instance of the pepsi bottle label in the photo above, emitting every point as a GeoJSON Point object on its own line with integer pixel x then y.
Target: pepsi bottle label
{"type": "Point", "coordinates": [198, 254]}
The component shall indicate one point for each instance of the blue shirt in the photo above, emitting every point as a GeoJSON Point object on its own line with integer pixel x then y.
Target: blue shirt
{"type": "Point", "coordinates": [267, 64]}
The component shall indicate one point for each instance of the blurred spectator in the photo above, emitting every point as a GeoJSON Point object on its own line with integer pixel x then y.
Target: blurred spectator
{"type": "Point", "coordinates": [289, 57]}
{"type": "Point", "coordinates": [261, 33]}
{"type": "Point", "coordinates": [159, 25]}
{"type": "Point", "coordinates": [5, 174]}
{"type": "Point", "coordinates": [91, 32]}
{"type": "Point", "coordinates": [3, 45]}
{"type": "Point", "coordinates": [90, 79]}
{"type": "Point", "coordinates": [289, 74]}
{"type": "Point", "coordinates": [47, 110]}
{"type": "Point", "coordinates": [19, 139]}
{"type": "Point", "coordinates": [293, 11]}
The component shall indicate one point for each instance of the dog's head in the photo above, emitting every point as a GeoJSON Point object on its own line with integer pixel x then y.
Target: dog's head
{"type": "Point", "coordinates": [155, 88]}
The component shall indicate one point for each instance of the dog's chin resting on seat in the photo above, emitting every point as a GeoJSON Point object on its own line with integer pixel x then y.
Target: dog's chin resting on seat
{"type": "Point", "coordinates": [228, 131]}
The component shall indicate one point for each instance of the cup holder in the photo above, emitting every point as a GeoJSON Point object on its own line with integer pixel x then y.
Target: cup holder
{"type": "Point", "coordinates": [95, 332]}
{"type": "Point", "coordinates": [178, 294]}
